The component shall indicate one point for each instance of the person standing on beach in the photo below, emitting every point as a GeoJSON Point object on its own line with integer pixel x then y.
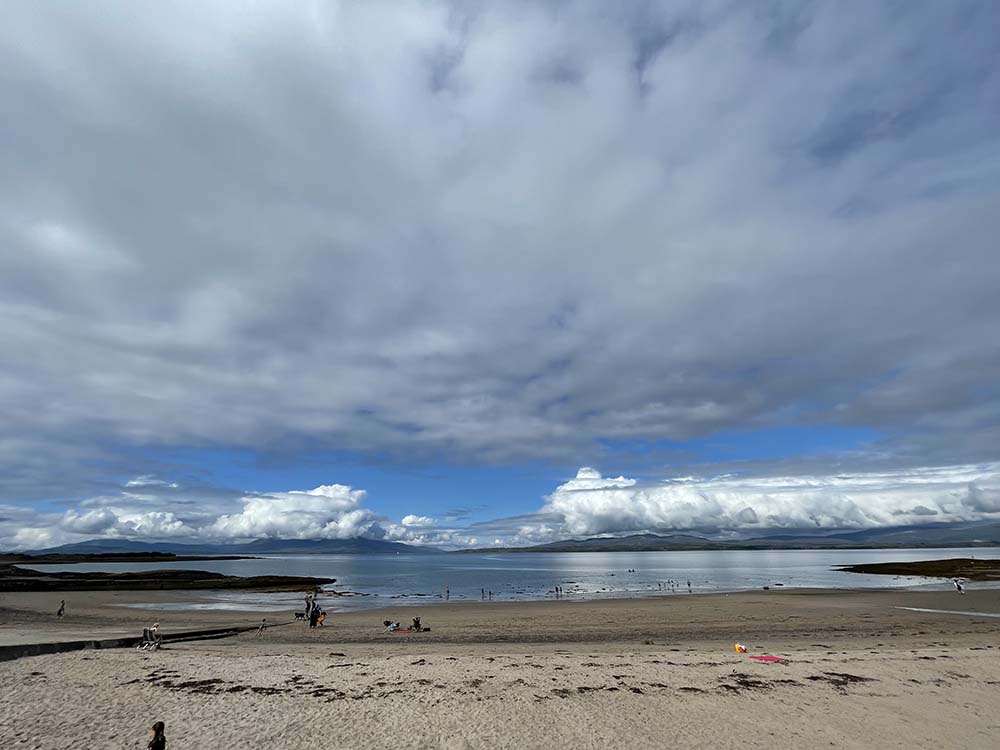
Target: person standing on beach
{"type": "Point", "coordinates": [482, 594]}
{"type": "Point", "coordinates": [447, 593]}
{"type": "Point", "coordinates": [62, 609]}
{"type": "Point", "coordinates": [958, 586]}
{"type": "Point", "coordinates": [158, 741]}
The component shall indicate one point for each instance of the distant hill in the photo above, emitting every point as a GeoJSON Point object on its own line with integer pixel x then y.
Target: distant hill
{"type": "Point", "coordinates": [930, 535]}
{"type": "Point", "coordinates": [330, 547]}
{"type": "Point", "coordinates": [106, 546]}
{"type": "Point", "coordinates": [257, 547]}
{"type": "Point", "coordinates": [634, 543]}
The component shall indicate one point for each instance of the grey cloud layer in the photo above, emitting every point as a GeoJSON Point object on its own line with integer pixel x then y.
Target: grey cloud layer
{"type": "Point", "coordinates": [492, 235]}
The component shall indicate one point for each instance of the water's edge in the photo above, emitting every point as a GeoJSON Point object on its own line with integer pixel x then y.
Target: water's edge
{"type": "Point", "coordinates": [406, 580]}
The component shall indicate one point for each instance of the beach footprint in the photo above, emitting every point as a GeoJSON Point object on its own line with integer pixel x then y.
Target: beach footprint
{"type": "Point", "coordinates": [455, 743]}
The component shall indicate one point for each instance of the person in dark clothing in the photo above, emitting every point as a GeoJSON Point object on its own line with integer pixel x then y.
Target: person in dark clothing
{"type": "Point", "coordinates": [62, 609]}
{"type": "Point", "coordinates": [159, 739]}
{"type": "Point", "coordinates": [313, 617]}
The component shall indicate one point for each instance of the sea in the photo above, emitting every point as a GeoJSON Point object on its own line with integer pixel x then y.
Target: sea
{"type": "Point", "coordinates": [373, 581]}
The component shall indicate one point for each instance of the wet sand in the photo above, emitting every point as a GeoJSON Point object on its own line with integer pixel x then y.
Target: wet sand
{"type": "Point", "coordinates": [609, 674]}
{"type": "Point", "coordinates": [771, 617]}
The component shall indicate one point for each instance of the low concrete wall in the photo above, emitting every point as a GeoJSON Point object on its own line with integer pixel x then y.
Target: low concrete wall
{"type": "Point", "coordinates": [16, 651]}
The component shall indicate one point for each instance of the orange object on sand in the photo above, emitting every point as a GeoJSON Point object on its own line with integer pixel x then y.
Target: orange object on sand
{"type": "Point", "coordinates": [740, 648]}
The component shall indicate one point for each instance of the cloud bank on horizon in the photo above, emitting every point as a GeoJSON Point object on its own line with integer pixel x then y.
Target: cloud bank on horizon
{"type": "Point", "coordinates": [587, 505]}
{"type": "Point", "coordinates": [591, 504]}
{"type": "Point", "coordinates": [489, 234]}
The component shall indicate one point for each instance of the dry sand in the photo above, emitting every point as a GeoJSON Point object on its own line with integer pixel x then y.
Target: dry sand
{"type": "Point", "coordinates": [612, 674]}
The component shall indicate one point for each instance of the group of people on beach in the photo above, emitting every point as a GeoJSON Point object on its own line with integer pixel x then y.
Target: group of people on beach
{"type": "Point", "coordinates": [313, 611]}
{"type": "Point", "coordinates": [672, 585]}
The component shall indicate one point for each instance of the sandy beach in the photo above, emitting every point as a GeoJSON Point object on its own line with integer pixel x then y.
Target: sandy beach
{"type": "Point", "coordinates": [860, 672]}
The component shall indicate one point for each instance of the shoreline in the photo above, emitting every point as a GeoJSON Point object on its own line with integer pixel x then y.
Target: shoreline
{"type": "Point", "coordinates": [792, 613]}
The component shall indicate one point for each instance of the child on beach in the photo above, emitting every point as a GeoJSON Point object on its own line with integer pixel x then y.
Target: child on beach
{"type": "Point", "coordinates": [159, 739]}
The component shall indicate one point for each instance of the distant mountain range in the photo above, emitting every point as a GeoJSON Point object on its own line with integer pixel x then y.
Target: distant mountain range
{"type": "Point", "coordinates": [257, 547]}
{"type": "Point", "coordinates": [936, 535]}
{"type": "Point", "coordinates": [928, 535]}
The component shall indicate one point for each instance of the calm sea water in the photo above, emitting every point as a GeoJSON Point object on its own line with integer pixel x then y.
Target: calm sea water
{"type": "Point", "coordinates": [390, 580]}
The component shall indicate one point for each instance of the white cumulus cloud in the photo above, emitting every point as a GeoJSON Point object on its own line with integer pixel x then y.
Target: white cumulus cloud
{"type": "Point", "coordinates": [592, 504]}
{"type": "Point", "coordinates": [328, 512]}
{"type": "Point", "coordinates": [412, 520]}
{"type": "Point", "coordinates": [88, 522]}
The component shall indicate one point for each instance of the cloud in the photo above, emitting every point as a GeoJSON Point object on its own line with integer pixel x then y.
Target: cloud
{"type": "Point", "coordinates": [173, 511]}
{"type": "Point", "coordinates": [89, 522]}
{"type": "Point", "coordinates": [151, 509]}
{"type": "Point", "coordinates": [107, 523]}
{"type": "Point", "coordinates": [327, 512]}
{"type": "Point", "coordinates": [412, 520]}
{"type": "Point", "coordinates": [491, 233]}
{"type": "Point", "coordinates": [590, 504]}
{"type": "Point", "coordinates": [149, 481]}
{"type": "Point", "coordinates": [155, 525]}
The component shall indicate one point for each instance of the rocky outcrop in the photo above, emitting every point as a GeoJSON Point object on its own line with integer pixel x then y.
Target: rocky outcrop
{"type": "Point", "coordinates": [15, 578]}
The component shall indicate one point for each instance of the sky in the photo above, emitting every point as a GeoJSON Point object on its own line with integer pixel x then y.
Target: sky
{"type": "Point", "coordinates": [490, 273]}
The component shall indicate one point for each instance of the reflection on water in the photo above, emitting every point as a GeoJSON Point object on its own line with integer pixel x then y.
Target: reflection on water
{"type": "Point", "coordinates": [418, 579]}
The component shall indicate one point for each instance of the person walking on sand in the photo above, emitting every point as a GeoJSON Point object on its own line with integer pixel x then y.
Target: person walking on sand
{"type": "Point", "coordinates": [260, 630]}
{"type": "Point", "coordinates": [958, 586]}
{"type": "Point", "coordinates": [62, 609]}
{"type": "Point", "coordinates": [158, 740]}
